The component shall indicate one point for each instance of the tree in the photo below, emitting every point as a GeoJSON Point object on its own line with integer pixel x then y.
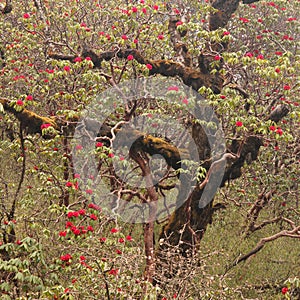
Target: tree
{"type": "Point", "coordinates": [57, 57]}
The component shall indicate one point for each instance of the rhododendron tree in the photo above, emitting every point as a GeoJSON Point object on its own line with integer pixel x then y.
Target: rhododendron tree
{"type": "Point", "coordinates": [149, 69]}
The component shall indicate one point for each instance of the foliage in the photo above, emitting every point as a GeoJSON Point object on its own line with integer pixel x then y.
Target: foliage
{"type": "Point", "coordinates": [56, 243]}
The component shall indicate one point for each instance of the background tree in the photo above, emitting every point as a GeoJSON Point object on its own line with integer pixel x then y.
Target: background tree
{"type": "Point", "coordinates": [242, 57]}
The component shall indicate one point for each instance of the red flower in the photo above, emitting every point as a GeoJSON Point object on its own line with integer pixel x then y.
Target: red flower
{"type": "Point", "coordinates": [81, 212]}
{"type": "Point", "coordinates": [82, 257]}
{"type": "Point", "coordinates": [222, 96]}
{"type": "Point", "coordinates": [29, 98]}
{"type": "Point", "coordinates": [114, 272]}
{"type": "Point", "coordinates": [185, 101]}
{"type": "Point", "coordinates": [44, 126]}
{"type": "Point", "coordinates": [70, 214]}
{"type": "Point", "coordinates": [217, 57]}
{"type": "Point", "coordinates": [284, 290]}
{"type": "Point", "coordinates": [77, 59]}
{"type": "Point", "coordinates": [239, 123]}
{"type": "Point", "coordinates": [121, 240]}
{"type": "Point", "coordinates": [149, 66]}
{"type": "Point", "coordinates": [130, 57]}
{"type": "Point", "coordinates": [66, 257]}
{"type": "Point", "coordinates": [244, 20]}
{"type": "Point", "coordinates": [103, 239]}
{"type": "Point", "coordinates": [279, 131]}
{"type": "Point", "coordinates": [67, 68]}
{"type": "Point", "coordinates": [26, 16]}
{"type": "Point", "coordinates": [89, 191]}
{"type": "Point", "coordinates": [279, 53]}
{"type": "Point", "coordinates": [114, 230]}
{"type": "Point", "coordinates": [111, 155]}
{"type": "Point", "coordinates": [69, 184]}
{"type": "Point", "coordinates": [129, 238]}
{"type": "Point", "coordinates": [78, 147]}
{"type": "Point", "coordinates": [226, 33]}
{"type": "Point", "coordinates": [155, 7]}
{"type": "Point", "coordinates": [88, 58]}
{"type": "Point", "coordinates": [99, 144]}
{"type": "Point", "coordinates": [173, 88]}
{"type": "Point", "coordinates": [63, 233]}
{"type": "Point", "coordinates": [260, 56]}
{"type": "Point", "coordinates": [20, 102]}
{"type": "Point", "coordinates": [179, 23]}
{"type": "Point", "coordinates": [124, 37]}
{"type": "Point", "coordinates": [118, 251]}
{"type": "Point", "coordinates": [144, 10]}
{"type": "Point", "coordinates": [69, 224]}
{"type": "Point", "coordinates": [277, 70]}
{"type": "Point", "coordinates": [134, 9]}
{"type": "Point", "coordinates": [249, 54]}
{"type": "Point", "coordinates": [90, 228]}
{"type": "Point", "coordinates": [160, 36]}
{"type": "Point", "coordinates": [286, 87]}
{"type": "Point", "coordinates": [93, 217]}
{"type": "Point", "coordinates": [272, 128]}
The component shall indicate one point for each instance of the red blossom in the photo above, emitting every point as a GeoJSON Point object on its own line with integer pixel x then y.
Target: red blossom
{"type": "Point", "coordinates": [124, 37]}
{"type": "Point", "coordinates": [81, 212]}
{"type": "Point", "coordinates": [20, 102]}
{"type": "Point", "coordinates": [82, 257]}
{"type": "Point", "coordinates": [66, 257]}
{"type": "Point", "coordinates": [90, 228]}
{"type": "Point", "coordinates": [286, 87]}
{"type": "Point", "coordinates": [114, 230]}
{"type": "Point", "coordinates": [89, 191]}
{"type": "Point", "coordinates": [160, 36]}
{"type": "Point", "coordinates": [217, 57]}
{"type": "Point", "coordinates": [67, 68]}
{"type": "Point", "coordinates": [173, 88]}
{"type": "Point", "coordinates": [26, 16]}
{"type": "Point", "coordinates": [99, 144]}
{"type": "Point", "coordinates": [77, 59]}
{"type": "Point", "coordinates": [63, 233]}
{"type": "Point", "coordinates": [114, 272]}
{"type": "Point", "coordinates": [239, 123]}
{"type": "Point", "coordinates": [129, 238]}
{"type": "Point", "coordinates": [88, 58]}
{"type": "Point", "coordinates": [29, 98]}
{"type": "Point", "coordinates": [155, 7]}
{"type": "Point", "coordinates": [284, 290]}
{"type": "Point", "coordinates": [69, 184]}
{"type": "Point", "coordinates": [272, 128]}
{"type": "Point", "coordinates": [179, 23]}
{"type": "Point", "coordinates": [44, 126]}
{"type": "Point", "coordinates": [226, 33]}
{"type": "Point", "coordinates": [130, 57]}
{"type": "Point", "coordinates": [249, 54]}
{"type": "Point", "coordinates": [149, 66]}
{"type": "Point", "coordinates": [279, 131]}
{"type": "Point", "coordinates": [134, 9]}
{"type": "Point", "coordinates": [121, 240]}
{"type": "Point", "coordinates": [102, 239]}
{"type": "Point", "coordinates": [93, 217]}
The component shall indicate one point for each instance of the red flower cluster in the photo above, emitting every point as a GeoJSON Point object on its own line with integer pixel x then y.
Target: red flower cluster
{"type": "Point", "coordinates": [44, 126]}
{"type": "Point", "coordinates": [66, 257]}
